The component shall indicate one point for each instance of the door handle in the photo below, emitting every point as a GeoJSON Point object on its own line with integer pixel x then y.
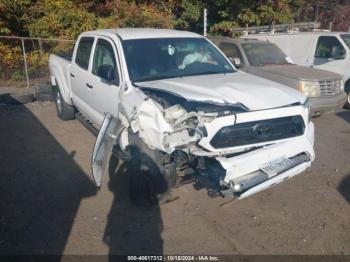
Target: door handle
{"type": "Point", "coordinates": [89, 85]}
{"type": "Point", "coordinates": [72, 75]}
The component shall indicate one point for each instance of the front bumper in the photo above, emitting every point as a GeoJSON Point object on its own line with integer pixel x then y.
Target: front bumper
{"type": "Point", "coordinates": [330, 103]}
{"type": "Point", "coordinates": [241, 167]}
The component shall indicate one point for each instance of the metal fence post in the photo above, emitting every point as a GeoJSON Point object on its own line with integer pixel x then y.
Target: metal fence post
{"type": "Point", "coordinates": [25, 61]}
{"type": "Point", "coordinates": [205, 22]}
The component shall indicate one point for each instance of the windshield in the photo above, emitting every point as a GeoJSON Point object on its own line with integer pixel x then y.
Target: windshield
{"type": "Point", "coordinates": [159, 58]}
{"type": "Point", "coordinates": [346, 39]}
{"type": "Point", "coordinates": [260, 54]}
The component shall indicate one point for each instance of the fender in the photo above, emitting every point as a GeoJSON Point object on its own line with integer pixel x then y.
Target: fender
{"type": "Point", "coordinates": [57, 79]}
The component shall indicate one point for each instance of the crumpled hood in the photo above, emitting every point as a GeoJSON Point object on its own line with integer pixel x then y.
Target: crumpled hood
{"type": "Point", "coordinates": [298, 72]}
{"type": "Point", "coordinates": [253, 92]}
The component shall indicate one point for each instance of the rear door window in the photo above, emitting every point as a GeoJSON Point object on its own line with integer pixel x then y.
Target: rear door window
{"type": "Point", "coordinates": [83, 52]}
{"type": "Point", "coordinates": [325, 45]}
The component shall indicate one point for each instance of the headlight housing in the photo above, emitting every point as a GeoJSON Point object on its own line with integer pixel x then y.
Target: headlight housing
{"type": "Point", "coordinates": [341, 85]}
{"type": "Point", "coordinates": [307, 107]}
{"type": "Point", "coordinates": [309, 88]}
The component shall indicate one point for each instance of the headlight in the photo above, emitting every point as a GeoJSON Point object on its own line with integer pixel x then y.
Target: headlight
{"type": "Point", "coordinates": [309, 88]}
{"type": "Point", "coordinates": [307, 106]}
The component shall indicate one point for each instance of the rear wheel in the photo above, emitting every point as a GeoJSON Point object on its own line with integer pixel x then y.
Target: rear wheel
{"type": "Point", "coordinates": [64, 110]}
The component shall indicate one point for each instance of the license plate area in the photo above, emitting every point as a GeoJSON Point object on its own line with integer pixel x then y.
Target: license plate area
{"type": "Point", "coordinates": [276, 166]}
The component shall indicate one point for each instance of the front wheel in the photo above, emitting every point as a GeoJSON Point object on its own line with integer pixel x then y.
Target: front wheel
{"type": "Point", "coordinates": [64, 110]}
{"type": "Point", "coordinates": [347, 103]}
{"type": "Point", "coordinates": [150, 183]}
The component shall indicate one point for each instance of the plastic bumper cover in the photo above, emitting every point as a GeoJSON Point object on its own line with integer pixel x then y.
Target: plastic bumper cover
{"type": "Point", "coordinates": [245, 165]}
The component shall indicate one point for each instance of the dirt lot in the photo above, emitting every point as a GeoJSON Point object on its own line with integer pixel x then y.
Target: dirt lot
{"type": "Point", "coordinates": [49, 204]}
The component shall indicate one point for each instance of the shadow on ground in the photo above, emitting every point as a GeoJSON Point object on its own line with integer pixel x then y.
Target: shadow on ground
{"type": "Point", "coordinates": [344, 115]}
{"type": "Point", "coordinates": [131, 229]}
{"type": "Point", "coordinates": [41, 186]}
{"type": "Point", "coordinates": [344, 188]}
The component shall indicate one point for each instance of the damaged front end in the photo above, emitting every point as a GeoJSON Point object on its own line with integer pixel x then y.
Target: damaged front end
{"type": "Point", "coordinates": [240, 151]}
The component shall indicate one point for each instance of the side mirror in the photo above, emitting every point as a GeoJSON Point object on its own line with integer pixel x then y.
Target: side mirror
{"type": "Point", "coordinates": [337, 52]}
{"type": "Point", "coordinates": [107, 72]}
{"type": "Point", "coordinates": [236, 62]}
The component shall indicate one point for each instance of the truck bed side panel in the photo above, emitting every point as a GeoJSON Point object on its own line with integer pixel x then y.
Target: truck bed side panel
{"type": "Point", "coordinates": [59, 72]}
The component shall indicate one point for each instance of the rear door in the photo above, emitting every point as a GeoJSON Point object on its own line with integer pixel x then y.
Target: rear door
{"type": "Point", "coordinates": [79, 73]}
{"type": "Point", "coordinates": [104, 93]}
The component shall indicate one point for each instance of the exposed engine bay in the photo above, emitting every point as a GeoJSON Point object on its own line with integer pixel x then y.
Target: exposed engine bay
{"type": "Point", "coordinates": [240, 151]}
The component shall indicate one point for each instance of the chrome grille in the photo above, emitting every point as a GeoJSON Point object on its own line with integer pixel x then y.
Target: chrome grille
{"type": "Point", "coordinates": [330, 87]}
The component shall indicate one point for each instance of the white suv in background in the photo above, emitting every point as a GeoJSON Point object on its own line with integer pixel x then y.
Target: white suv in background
{"type": "Point", "coordinates": [324, 50]}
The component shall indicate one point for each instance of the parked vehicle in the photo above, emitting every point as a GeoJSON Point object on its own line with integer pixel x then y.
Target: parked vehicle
{"type": "Point", "coordinates": [324, 50]}
{"type": "Point", "coordinates": [324, 89]}
{"type": "Point", "coordinates": [171, 103]}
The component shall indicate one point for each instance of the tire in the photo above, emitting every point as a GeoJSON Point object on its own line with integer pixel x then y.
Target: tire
{"type": "Point", "coordinates": [347, 103]}
{"type": "Point", "coordinates": [64, 111]}
{"type": "Point", "coordinates": [149, 183]}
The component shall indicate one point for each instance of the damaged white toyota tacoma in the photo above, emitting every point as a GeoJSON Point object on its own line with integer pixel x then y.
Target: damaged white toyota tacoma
{"type": "Point", "coordinates": [173, 106]}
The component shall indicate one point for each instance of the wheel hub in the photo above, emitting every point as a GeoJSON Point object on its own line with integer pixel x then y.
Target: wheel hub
{"type": "Point", "coordinates": [59, 102]}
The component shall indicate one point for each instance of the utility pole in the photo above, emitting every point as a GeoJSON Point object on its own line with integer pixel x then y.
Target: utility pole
{"type": "Point", "coordinates": [317, 11]}
{"type": "Point", "coordinates": [205, 22]}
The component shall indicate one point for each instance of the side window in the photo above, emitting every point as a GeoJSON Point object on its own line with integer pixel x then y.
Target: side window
{"type": "Point", "coordinates": [83, 52]}
{"type": "Point", "coordinates": [104, 58]}
{"type": "Point", "coordinates": [325, 45]}
{"type": "Point", "coordinates": [231, 50]}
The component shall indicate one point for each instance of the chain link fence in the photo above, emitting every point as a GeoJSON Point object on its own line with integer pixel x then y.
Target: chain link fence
{"type": "Point", "coordinates": [24, 60]}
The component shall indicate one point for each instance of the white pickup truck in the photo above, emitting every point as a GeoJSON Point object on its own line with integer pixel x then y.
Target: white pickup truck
{"type": "Point", "coordinates": [172, 104]}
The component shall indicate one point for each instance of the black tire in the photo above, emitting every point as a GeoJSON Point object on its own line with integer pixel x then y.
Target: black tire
{"type": "Point", "coordinates": [64, 111]}
{"type": "Point", "coordinates": [149, 183]}
{"type": "Point", "coordinates": [347, 103]}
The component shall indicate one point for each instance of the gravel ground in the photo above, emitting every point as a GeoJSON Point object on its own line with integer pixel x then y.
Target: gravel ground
{"type": "Point", "coordinates": [49, 204]}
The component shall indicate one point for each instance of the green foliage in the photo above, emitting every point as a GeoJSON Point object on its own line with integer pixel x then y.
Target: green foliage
{"type": "Point", "coordinates": [223, 28]}
{"type": "Point", "coordinates": [59, 19]}
{"type": "Point", "coordinates": [13, 16]}
{"type": "Point", "coordinates": [270, 12]}
{"type": "Point", "coordinates": [66, 19]}
{"type": "Point", "coordinates": [132, 15]}
{"type": "Point", "coordinates": [188, 14]}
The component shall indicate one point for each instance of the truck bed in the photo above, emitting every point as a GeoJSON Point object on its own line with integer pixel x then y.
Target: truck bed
{"type": "Point", "coordinates": [61, 66]}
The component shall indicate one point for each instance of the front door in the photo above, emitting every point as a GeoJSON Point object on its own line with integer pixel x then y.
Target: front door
{"type": "Point", "coordinates": [103, 147]}
{"type": "Point", "coordinates": [323, 55]}
{"type": "Point", "coordinates": [104, 97]}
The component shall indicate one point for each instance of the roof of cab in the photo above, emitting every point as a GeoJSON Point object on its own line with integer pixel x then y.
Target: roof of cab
{"type": "Point", "coordinates": [142, 33]}
{"type": "Point", "coordinates": [238, 40]}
